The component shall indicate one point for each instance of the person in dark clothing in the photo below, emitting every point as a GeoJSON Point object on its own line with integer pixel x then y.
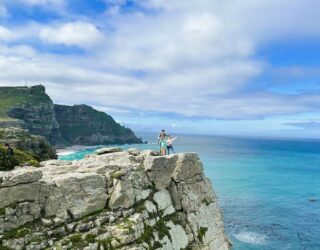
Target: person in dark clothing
{"type": "Point", "coordinates": [170, 144]}
{"type": "Point", "coordinates": [10, 151]}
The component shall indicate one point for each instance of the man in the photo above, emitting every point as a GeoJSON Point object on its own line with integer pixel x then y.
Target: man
{"type": "Point", "coordinates": [10, 152]}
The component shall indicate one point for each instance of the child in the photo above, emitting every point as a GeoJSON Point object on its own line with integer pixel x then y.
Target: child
{"type": "Point", "coordinates": [169, 144]}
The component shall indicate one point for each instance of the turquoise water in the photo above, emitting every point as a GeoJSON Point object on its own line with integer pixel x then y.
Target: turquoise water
{"type": "Point", "coordinates": [269, 190]}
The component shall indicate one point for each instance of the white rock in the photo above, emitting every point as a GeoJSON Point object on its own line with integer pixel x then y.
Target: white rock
{"type": "Point", "coordinates": [163, 199]}
{"type": "Point", "coordinates": [102, 151]}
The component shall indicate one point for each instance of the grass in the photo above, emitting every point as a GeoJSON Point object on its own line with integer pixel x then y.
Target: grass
{"type": "Point", "coordinates": [77, 241]}
{"type": "Point", "coordinates": [17, 96]}
{"type": "Point", "coordinates": [90, 238]}
{"type": "Point", "coordinates": [107, 243]}
{"type": "Point", "coordinates": [201, 233]}
{"type": "Point", "coordinates": [17, 233]}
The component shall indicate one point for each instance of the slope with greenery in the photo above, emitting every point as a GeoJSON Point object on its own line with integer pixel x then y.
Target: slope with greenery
{"type": "Point", "coordinates": [19, 158]}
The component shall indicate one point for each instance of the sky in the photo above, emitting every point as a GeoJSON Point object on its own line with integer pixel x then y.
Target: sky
{"type": "Point", "coordinates": [221, 67]}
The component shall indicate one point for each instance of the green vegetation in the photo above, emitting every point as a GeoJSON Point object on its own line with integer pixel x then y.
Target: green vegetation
{"type": "Point", "coordinates": [4, 247]}
{"type": "Point", "coordinates": [21, 231]}
{"type": "Point", "coordinates": [90, 238]}
{"type": "Point", "coordinates": [77, 241]}
{"type": "Point", "coordinates": [11, 97]}
{"type": "Point", "coordinates": [107, 243]}
{"type": "Point", "coordinates": [148, 234]}
{"type": "Point", "coordinates": [2, 211]}
{"type": "Point", "coordinates": [126, 225]}
{"type": "Point", "coordinates": [19, 158]}
{"type": "Point", "coordinates": [12, 206]}
{"type": "Point", "coordinates": [140, 208]}
{"type": "Point", "coordinates": [206, 201]}
{"type": "Point", "coordinates": [201, 233]}
{"type": "Point", "coordinates": [36, 239]}
{"type": "Point", "coordinates": [21, 139]}
{"type": "Point", "coordinates": [162, 229]}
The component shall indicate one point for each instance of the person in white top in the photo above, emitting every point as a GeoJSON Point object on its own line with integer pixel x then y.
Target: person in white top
{"type": "Point", "coordinates": [170, 144]}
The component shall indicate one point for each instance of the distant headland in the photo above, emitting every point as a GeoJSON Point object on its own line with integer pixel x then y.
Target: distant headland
{"type": "Point", "coordinates": [30, 110]}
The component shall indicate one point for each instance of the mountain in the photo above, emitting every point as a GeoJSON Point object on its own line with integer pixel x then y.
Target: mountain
{"type": "Point", "coordinates": [83, 125]}
{"type": "Point", "coordinates": [31, 108]}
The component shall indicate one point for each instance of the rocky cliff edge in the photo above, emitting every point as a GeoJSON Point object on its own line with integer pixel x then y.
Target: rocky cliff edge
{"type": "Point", "coordinates": [119, 200]}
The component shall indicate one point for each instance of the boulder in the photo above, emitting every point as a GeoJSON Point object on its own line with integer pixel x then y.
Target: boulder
{"type": "Point", "coordinates": [20, 176]}
{"type": "Point", "coordinates": [133, 151]}
{"type": "Point", "coordinates": [102, 151]}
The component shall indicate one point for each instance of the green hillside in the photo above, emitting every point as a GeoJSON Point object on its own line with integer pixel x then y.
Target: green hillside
{"type": "Point", "coordinates": [18, 96]}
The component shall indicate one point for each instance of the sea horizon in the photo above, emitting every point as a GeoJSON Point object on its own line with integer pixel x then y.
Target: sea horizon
{"type": "Point", "coordinates": [261, 185]}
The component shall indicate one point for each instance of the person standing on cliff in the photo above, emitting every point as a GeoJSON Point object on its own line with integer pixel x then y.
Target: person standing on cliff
{"type": "Point", "coordinates": [170, 144]}
{"type": "Point", "coordinates": [162, 142]}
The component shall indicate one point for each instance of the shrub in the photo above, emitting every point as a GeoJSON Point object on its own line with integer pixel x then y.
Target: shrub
{"type": "Point", "coordinates": [19, 158]}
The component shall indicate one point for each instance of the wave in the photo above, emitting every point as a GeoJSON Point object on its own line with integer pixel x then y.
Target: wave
{"type": "Point", "coordinates": [66, 152]}
{"type": "Point", "coordinates": [251, 238]}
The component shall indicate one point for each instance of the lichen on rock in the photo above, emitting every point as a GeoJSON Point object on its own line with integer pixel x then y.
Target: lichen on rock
{"type": "Point", "coordinates": [116, 200]}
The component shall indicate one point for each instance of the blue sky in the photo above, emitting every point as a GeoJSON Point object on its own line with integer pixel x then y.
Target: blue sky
{"type": "Point", "coordinates": [231, 67]}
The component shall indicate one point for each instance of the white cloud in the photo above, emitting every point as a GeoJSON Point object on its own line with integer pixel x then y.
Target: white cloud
{"type": "Point", "coordinates": [77, 33]}
{"type": "Point", "coordinates": [6, 35]}
{"type": "Point", "coordinates": [190, 57]}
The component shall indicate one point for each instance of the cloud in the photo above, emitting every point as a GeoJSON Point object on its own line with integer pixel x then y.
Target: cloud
{"type": "Point", "coordinates": [6, 35]}
{"type": "Point", "coordinates": [190, 58]}
{"type": "Point", "coordinates": [305, 125]}
{"type": "Point", "coordinates": [73, 34]}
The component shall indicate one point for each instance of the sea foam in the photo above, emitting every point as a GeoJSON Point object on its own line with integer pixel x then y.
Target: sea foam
{"type": "Point", "coordinates": [251, 238]}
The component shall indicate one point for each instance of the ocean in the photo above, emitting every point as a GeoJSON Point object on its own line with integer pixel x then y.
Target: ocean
{"type": "Point", "coordinates": [268, 189]}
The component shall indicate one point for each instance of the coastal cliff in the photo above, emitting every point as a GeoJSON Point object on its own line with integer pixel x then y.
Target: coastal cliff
{"type": "Point", "coordinates": [120, 200]}
{"type": "Point", "coordinates": [83, 125]}
{"type": "Point", "coordinates": [31, 108]}
{"type": "Point", "coordinates": [21, 139]}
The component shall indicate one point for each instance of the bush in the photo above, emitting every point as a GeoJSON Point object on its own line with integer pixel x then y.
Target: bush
{"type": "Point", "coordinates": [19, 158]}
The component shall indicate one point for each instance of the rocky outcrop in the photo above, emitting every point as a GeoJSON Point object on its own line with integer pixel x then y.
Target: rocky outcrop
{"type": "Point", "coordinates": [21, 139]}
{"type": "Point", "coordinates": [83, 125]}
{"type": "Point", "coordinates": [111, 201]}
{"type": "Point", "coordinates": [32, 109]}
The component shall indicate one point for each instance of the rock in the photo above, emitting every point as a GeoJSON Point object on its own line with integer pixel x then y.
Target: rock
{"type": "Point", "coordinates": [179, 238]}
{"type": "Point", "coordinates": [163, 199]}
{"type": "Point", "coordinates": [20, 176]}
{"type": "Point", "coordinates": [55, 163]}
{"type": "Point", "coordinates": [108, 150]}
{"type": "Point", "coordinates": [160, 169]}
{"type": "Point", "coordinates": [117, 200]}
{"type": "Point", "coordinates": [133, 151]}
{"type": "Point", "coordinates": [83, 193]}
{"type": "Point", "coordinates": [23, 140]}
{"type": "Point", "coordinates": [150, 153]}
{"type": "Point", "coordinates": [123, 195]}
{"type": "Point", "coordinates": [101, 129]}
